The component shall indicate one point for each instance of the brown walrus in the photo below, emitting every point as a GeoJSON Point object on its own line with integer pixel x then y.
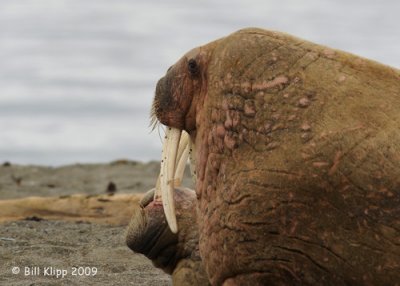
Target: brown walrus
{"type": "Point", "coordinates": [297, 150]}
{"type": "Point", "coordinates": [177, 254]}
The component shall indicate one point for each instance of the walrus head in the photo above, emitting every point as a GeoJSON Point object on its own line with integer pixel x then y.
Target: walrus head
{"type": "Point", "coordinates": [176, 91]}
{"type": "Point", "coordinates": [179, 95]}
{"type": "Point", "coordinates": [190, 97]}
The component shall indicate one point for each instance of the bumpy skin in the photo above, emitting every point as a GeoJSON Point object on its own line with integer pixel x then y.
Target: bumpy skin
{"type": "Point", "coordinates": [298, 160]}
{"type": "Point", "coordinates": [176, 254]}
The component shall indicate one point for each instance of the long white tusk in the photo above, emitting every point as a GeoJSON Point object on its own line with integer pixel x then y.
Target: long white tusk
{"type": "Point", "coordinates": [170, 148]}
{"type": "Point", "coordinates": [192, 158]}
{"type": "Point", "coordinates": [181, 159]}
{"type": "Point", "coordinates": [157, 193]}
{"type": "Point", "coordinates": [183, 146]}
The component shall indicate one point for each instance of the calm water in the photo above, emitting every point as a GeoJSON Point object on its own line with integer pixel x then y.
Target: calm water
{"type": "Point", "coordinates": [77, 77]}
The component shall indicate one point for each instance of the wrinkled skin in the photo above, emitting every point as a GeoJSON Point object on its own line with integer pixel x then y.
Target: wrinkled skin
{"type": "Point", "coordinates": [298, 160]}
{"type": "Point", "coordinates": [176, 254]}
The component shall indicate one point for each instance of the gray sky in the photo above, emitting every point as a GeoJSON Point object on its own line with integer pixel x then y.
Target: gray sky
{"type": "Point", "coordinates": [77, 77]}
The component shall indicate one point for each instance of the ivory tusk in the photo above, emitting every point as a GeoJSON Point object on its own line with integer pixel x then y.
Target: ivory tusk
{"type": "Point", "coordinates": [192, 159]}
{"type": "Point", "coordinates": [167, 175]}
{"type": "Point", "coordinates": [181, 159]}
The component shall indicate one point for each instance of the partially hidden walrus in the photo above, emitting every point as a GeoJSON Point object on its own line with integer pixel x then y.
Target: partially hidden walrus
{"type": "Point", "coordinates": [177, 254]}
{"type": "Point", "coordinates": [148, 232]}
{"type": "Point", "coordinates": [296, 154]}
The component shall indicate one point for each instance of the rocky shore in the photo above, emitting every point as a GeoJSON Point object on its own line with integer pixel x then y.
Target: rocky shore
{"type": "Point", "coordinates": [66, 225]}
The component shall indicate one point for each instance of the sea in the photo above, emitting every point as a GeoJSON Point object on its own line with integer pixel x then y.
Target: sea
{"type": "Point", "coordinates": [77, 77]}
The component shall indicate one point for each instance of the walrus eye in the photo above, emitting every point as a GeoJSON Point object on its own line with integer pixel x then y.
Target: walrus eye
{"type": "Point", "coordinates": [193, 67]}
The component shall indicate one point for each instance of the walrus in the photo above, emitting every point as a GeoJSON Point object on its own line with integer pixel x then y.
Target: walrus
{"type": "Point", "coordinates": [148, 233]}
{"type": "Point", "coordinates": [296, 151]}
{"type": "Point", "coordinates": [177, 254]}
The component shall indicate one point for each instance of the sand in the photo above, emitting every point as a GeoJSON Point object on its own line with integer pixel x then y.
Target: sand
{"type": "Point", "coordinates": [66, 225]}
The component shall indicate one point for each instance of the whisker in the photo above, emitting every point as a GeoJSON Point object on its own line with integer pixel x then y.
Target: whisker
{"type": "Point", "coordinates": [160, 126]}
{"type": "Point", "coordinates": [153, 123]}
{"type": "Point", "coordinates": [153, 118]}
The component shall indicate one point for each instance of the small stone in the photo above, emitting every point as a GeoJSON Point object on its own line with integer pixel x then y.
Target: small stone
{"type": "Point", "coordinates": [306, 137]}
{"type": "Point", "coordinates": [275, 116]}
{"type": "Point", "coordinates": [304, 102]}
{"type": "Point", "coordinates": [33, 218]}
{"type": "Point", "coordinates": [278, 126]}
{"type": "Point", "coordinates": [267, 127]}
{"type": "Point", "coordinates": [7, 239]}
{"type": "Point", "coordinates": [272, 145]}
{"type": "Point", "coordinates": [111, 188]}
{"type": "Point", "coordinates": [305, 127]}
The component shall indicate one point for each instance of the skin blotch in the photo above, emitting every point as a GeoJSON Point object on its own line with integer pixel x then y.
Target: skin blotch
{"type": "Point", "coordinates": [249, 108]}
{"type": "Point", "coordinates": [279, 81]}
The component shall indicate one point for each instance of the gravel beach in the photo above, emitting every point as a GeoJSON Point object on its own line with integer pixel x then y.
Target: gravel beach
{"type": "Point", "coordinates": [40, 250]}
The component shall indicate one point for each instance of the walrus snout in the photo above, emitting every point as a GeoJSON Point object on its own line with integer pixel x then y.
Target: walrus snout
{"type": "Point", "coordinates": [172, 99]}
{"type": "Point", "coordinates": [165, 105]}
{"type": "Point", "coordinates": [183, 84]}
